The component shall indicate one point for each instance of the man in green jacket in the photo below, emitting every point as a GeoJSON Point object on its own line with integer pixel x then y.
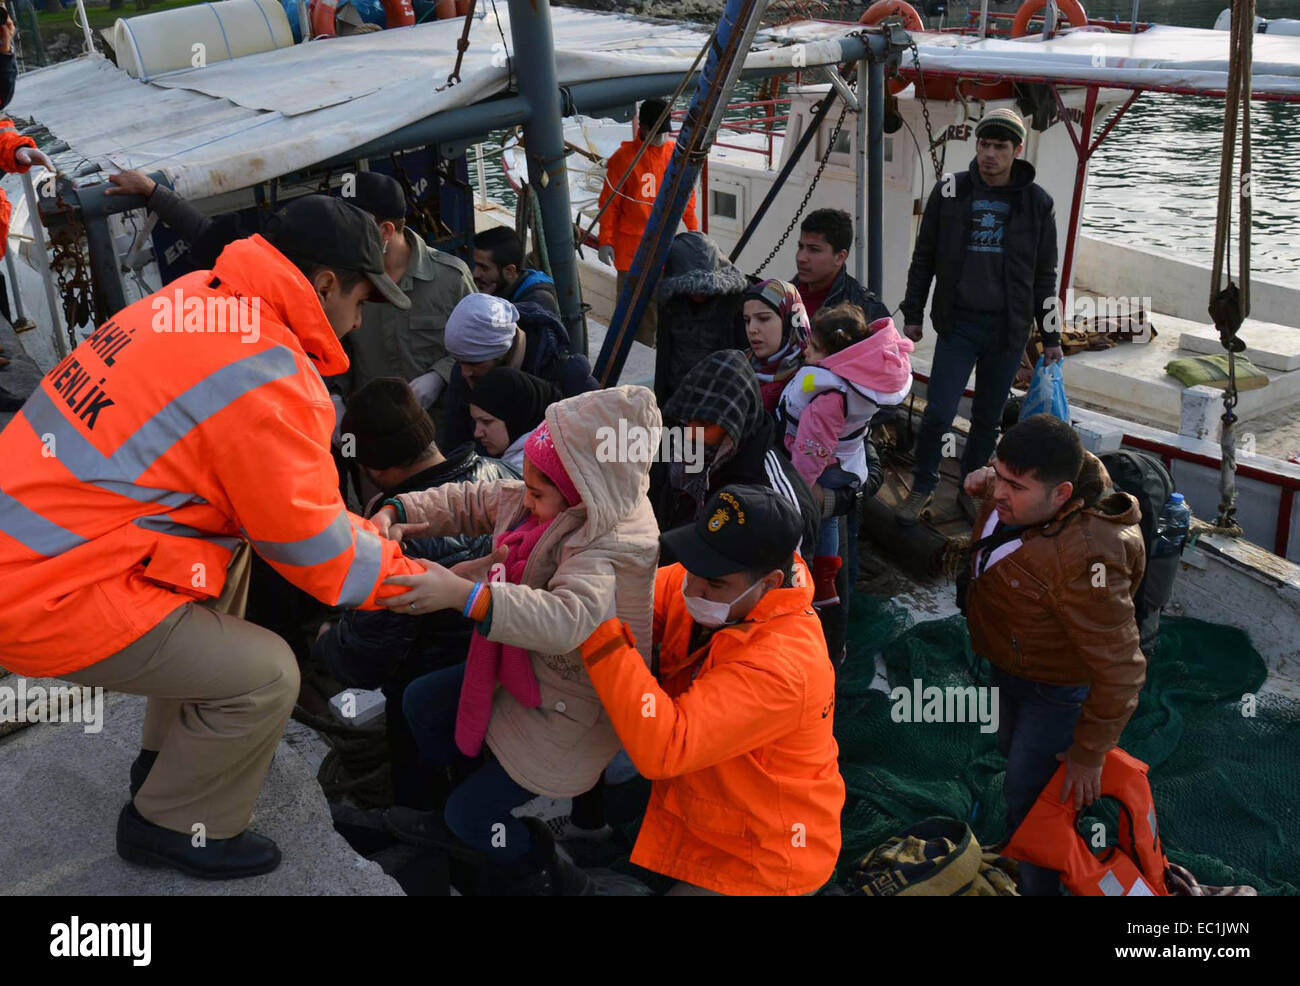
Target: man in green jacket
{"type": "Point", "coordinates": [407, 344]}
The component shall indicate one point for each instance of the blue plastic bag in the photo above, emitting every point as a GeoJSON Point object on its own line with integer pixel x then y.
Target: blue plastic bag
{"type": "Point", "coordinates": [1046, 393]}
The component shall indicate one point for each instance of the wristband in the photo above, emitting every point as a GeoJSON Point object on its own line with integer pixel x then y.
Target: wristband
{"type": "Point", "coordinates": [482, 604]}
{"type": "Point", "coordinates": [469, 602]}
{"type": "Point", "coordinates": [396, 504]}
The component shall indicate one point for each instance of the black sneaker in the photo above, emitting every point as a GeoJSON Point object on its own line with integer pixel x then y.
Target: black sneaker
{"type": "Point", "coordinates": [142, 842]}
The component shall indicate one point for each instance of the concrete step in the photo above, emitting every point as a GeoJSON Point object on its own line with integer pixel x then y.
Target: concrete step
{"type": "Point", "coordinates": [64, 787]}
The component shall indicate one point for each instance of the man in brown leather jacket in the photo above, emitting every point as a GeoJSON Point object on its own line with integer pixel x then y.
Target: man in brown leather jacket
{"type": "Point", "coordinates": [1055, 563]}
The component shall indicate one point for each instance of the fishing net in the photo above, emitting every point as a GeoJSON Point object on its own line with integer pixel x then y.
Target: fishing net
{"type": "Point", "coordinates": [1224, 774]}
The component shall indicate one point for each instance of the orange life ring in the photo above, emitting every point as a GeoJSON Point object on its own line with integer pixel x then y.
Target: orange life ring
{"type": "Point", "coordinates": [398, 13]}
{"type": "Point", "coordinates": [878, 11]}
{"type": "Point", "coordinates": [1070, 8]}
{"type": "Point", "coordinates": [321, 14]}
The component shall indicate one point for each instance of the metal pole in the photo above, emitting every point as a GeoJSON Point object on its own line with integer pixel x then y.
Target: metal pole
{"type": "Point", "coordinates": [860, 160]}
{"type": "Point", "coordinates": [13, 280]}
{"type": "Point", "coordinates": [104, 264]}
{"type": "Point", "coordinates": [1049, 19]}
{"type": "Point", "coordinates": [1133, 18]}
{"type": "Point", "coordinates": [1084, 150]}
{"type": "Point", "coordinates": [722, 67]}
{"type": "Point", "coordinates": [85, 27]}
{"type": "Point", "coordinates": [43, 263]}
{"type": "Point", "coordinates": [482, 175]}
{"type": "Point", "coordinates": [876, 188]}
{"type": "Point", "coordinates": [534, 58]}
{"type": "Point", "coordinates": [984, 18]}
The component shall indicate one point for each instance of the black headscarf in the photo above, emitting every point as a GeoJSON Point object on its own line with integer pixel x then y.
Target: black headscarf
{"type": "Point", "coordinates": [519, 399]}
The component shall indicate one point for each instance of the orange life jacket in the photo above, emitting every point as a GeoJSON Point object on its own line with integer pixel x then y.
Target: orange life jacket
{"type": "Point", "coordinates": [193, 418]}
{"type": "Point", "coordinates": [1134, 867]}
{"type": "Point", "coordinates": [10, 141]}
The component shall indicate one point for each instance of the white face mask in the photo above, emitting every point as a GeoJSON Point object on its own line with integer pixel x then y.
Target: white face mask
{"type": "Point", "coordinates": [708, 613]}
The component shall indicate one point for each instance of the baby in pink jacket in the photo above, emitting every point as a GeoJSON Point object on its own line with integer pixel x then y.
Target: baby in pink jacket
{"type": "Point", "coordinates": [851, 370]}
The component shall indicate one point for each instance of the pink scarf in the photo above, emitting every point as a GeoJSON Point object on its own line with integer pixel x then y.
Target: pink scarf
{"type": "Point", "coordinates": [489, 662]}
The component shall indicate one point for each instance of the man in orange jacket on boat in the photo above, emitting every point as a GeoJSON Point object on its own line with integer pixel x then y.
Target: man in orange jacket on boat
{"type": "Point", "coordinates": [734, 727]}
{"type": "Point", "coordinates": [627, 206]}
{"type": "Point", "coordinates": [191, 425]}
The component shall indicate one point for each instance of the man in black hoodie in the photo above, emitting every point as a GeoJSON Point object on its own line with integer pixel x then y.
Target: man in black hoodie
{"type": "Point", "coordinates": [988, 241]}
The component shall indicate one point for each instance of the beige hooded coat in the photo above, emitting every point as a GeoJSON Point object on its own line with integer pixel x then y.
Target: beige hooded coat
{"type": "Point", "coordinates": [597, 559]}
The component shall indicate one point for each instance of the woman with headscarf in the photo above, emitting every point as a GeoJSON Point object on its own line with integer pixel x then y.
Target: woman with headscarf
{"type": "Point", "coordinates": [776, 325]}
{"type": "Point", "coordinates": [506, 406]}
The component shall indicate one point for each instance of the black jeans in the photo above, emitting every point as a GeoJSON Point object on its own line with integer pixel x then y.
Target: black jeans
{"type": "Point", "coordinates": [966, 346]}
{"type": "Point", "coordinates": [1035, 723]}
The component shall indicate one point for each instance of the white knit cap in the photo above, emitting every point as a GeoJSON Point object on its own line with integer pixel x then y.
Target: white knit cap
{"type": "Point", "coordinates": [481, 327]}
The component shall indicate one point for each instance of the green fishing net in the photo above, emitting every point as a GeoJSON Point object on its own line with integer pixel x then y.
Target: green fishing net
{"type": "Point", "coordinates": [1226, 782]}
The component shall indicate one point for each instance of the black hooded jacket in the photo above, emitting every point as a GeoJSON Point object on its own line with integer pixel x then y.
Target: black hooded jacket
{"type": "Point", "coordinates": [688, 330]}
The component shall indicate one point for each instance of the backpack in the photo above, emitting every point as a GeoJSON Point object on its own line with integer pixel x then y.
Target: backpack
{"type": "Point", "coordinates": [1145, 477]}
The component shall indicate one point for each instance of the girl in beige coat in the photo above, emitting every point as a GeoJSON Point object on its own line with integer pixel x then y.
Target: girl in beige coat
{"type": "Point", "coordinates": [596, 557]}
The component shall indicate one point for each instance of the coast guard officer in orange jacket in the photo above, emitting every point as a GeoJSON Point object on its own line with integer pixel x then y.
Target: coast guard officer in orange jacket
{"type": "Point", "coordinates": [190, 426]}
{"type": "Point", "coordinates": [735, 731]}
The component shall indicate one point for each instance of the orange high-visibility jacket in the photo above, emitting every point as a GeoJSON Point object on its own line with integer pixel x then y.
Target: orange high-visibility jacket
{"type": "Point", "coordinates": [737, 738]}
{"type": "Point", "coordinates": [1134, 867]}
{"type": "Point", "coordinates": [10, 141]}
{"type": "Point", "coordinates": [623, 223]}
{"type": "Point", "coordinates": [132, 472]}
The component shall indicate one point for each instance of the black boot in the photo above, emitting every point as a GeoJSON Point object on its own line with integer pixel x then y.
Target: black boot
{"type": "Point", "coordinates": [140, 769]}
{"type": "Point", "coordinates": [146, 844]}
{"type": "Point", "coordinates": [427, 830]}
{"type": "Point", "coordinates": [542, 872]}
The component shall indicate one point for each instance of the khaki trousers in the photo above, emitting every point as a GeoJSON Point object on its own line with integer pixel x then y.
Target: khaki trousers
{"type": "Point", "coordinates": [645, 332]}
{"type": "Point", "coordinates": [220, 693]}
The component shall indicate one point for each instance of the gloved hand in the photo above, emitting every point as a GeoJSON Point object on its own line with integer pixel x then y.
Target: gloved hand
{"type": "Point", "coordinates": [428, 388]}
{"type": "Point", "coordinates": [606, 255]}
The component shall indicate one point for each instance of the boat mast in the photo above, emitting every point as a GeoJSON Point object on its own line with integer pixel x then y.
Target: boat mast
{"type": "Point", "coordinates": [534, 62]}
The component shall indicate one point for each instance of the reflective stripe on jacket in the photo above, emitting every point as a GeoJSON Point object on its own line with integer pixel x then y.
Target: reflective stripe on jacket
{"type": "Point", "coordinates": [1134, 867]}
{"type": "Point", "coordinates": [737, 738]}
{"type": "Point", "coordinates": [191, 419]}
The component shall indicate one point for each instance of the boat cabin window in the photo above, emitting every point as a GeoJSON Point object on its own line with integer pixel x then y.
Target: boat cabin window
{"type": "Point", "coordinates": [723, 204]}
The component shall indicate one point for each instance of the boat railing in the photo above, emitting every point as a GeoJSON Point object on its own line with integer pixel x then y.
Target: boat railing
{"type": "Point", "coordinates": [999, 24]}
{"type": "Point", "coordinates": [761, 116]}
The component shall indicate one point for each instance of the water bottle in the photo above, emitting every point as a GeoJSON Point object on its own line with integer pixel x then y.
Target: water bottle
{"type": "Point", "coordinates": [1173, 526]}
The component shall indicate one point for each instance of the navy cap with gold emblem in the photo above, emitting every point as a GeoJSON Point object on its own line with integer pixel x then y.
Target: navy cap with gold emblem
{"type": "Point", "coordinates": [741, 528]}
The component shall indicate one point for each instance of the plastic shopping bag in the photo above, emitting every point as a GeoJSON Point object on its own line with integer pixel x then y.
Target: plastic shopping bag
{"type": "Point", "coordinates": [1046, 392]}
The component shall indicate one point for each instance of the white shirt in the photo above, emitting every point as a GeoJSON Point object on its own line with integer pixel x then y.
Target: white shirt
{"type": "Point", "coordinates": [998, 553]}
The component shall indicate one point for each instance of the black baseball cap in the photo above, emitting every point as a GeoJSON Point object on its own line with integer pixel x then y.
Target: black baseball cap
{"type": "Point", "coordinates": [741, 528]}
{"type": "Point", "coordinates": [321, 229]}
{"type": "Point", "coordinates": [379, 195]}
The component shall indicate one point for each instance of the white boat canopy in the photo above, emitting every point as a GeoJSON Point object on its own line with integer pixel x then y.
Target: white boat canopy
{"type": "Point", "coordinates": [1167, 59]}
{"type": "Point", "coordinates": [236, 123]}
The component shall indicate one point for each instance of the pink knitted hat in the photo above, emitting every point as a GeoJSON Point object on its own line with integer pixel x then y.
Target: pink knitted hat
{"type": "Point", "coordinates": [540, 450]}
